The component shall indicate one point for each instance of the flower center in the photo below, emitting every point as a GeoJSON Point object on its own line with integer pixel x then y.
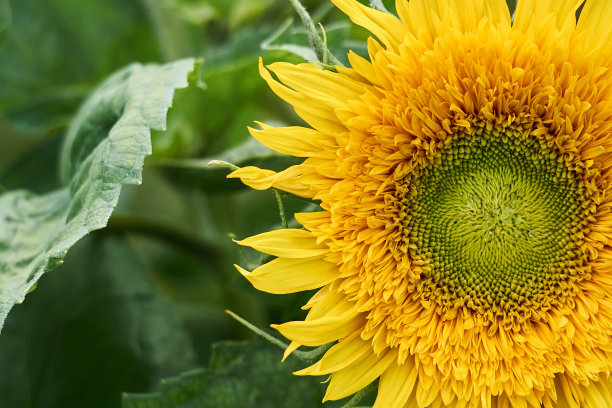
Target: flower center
{"type": "Point", "coordinates": [495, 221]}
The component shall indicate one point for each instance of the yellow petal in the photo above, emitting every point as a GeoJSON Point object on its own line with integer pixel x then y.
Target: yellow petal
{"type": "Point", "coordinates": [320, 331]}
{"type": "Point", "coordinates": [385, 26]}
{"type": "Point", "coordinates": [568, 392]}
{"type": "Point", "coordinates": [363, 67]}
{"type": "Point", "coordinates": [317, 84]}
{"type": "Point", "coordinates": [425, 396]}
{"type": "Point", "coordinates": [301, 180]}
{"type": "Point", "coordinates": [326, 302]}
{"type": "Point", "coordinates": [287, 275]}
{"type": "Point", "coordinates": [439, 15]}
{"type": "Point", "coordinates": [341, 355]}
{"type": "Point", "coordinates": [597, 394]}
{"type": "Point", "coordinates": [313, 220]}
{"type": "Point", "coordinates": [286, 243]}
{"type": "Point", "coordinates": [533, 13]}
{"type": "Point", "coordinates": [293, 140]}
{"type": "Point", "coordinates": [355, 377]}
{"type": "Point", "coordinates": [320, 116]}
{"type": "Point", "coordinates": [254, 177]}
{"type": "Point", "coordinates": [396, 385]}
{"type": "Point", "coordinates": [595, 23]}
{"type": "Point", "coordinates": [321, 295]}
{"type": "Point", "coordinates": [290, 349]}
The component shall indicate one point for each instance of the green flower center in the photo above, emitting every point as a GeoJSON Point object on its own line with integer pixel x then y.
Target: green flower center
{"type": "Point", "coordinates": [495, 220]}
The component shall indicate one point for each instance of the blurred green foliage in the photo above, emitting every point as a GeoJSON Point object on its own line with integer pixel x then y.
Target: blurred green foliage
{"type": "Point", "coordinates": [144, 298]}
{"type": "Point", "coordinates": [246, 374]}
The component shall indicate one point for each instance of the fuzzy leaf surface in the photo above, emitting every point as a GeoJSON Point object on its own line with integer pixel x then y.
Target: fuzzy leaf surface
{"type": "Point", "coordinates": [105, 148]}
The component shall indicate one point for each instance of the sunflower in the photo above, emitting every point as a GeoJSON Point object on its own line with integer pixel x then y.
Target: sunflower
{"type": "Point", "coordinates": [463, 171]}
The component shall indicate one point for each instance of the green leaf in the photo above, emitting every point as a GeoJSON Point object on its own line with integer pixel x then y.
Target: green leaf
{"type": "Point", "coordinates": [241, 375]}
{"type": "Point", "coordinates": [104, 149]}
{"type": "Point", "coordinates": [91, 331]}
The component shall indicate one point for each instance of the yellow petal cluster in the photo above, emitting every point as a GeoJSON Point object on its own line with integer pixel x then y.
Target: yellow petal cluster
{"type": "Point", "coordinates": [443, 78]}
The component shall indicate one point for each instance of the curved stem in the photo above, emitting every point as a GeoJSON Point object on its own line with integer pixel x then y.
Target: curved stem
{"type": "Point", "coordinates": [281, 208]}
{"type": "Point", "coordinates": [307, 356]}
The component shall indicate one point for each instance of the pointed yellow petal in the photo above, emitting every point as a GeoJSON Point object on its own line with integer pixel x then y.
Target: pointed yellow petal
{"type": "Point", "coordinates": [287, 275]}
{"type": "Point", "coordinates": [254, 177]}
{"type": "Point", "coordinates": [466, 15]}
{"type": "Point", "coordinates": [568, 393]}
{"type": "Point", "coordinates": [286, 243]}
{"type": "Point", "coordinates": [498, 12]}
{"type": "Point", "coordinates": [363, 67]}
{"type": "Point", "coordinates": [294, 140]}
{"type": "Point", "coordinates": [417, 17]}
{"type": "Point", "coordinates": [319, 116]}
{"type": "Point", "coordinates": [325, 302]}
{"type": "Point", "coordinates": [396, 385]}
{"type": "Point", "coordinates": [435, 16]}
{"type": "Point", "coordinates": [532, 13]}
{"type": "Point", "coordinates": [385, 26]}
{"type": "Point", "coordinates": [425, 396]}
{"type": "Point", "coordinates": [594, 398]}
{"type": "Point", "coordinates": [290, 349]}
{"type": "Point", "coordinates": [301, 180]}
{"type": "Point", "coordinates": [317, 84]}
{"type": "Point", "coordinates": [355, 377]}
{"type": "Point", "coordinates": [313, 220]}
{"type": "Point", "coordinates": [298, 180]}
{"type": "Point", "coordinates": [328, 302]}
{"type": "Point", "coordinates": [320, 331]}
{"type": "Point", "coordinates": [341, 355]}
{"type": "Point", "coordinates": [594, 22]}
{"type": "Point", "coordinates": [321, 294]}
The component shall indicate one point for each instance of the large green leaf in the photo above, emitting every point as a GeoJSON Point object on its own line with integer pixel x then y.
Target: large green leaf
{"type": "Point", "coordinates": [105, 148]}
{"type": "Point", "coordinates": [241, 375]}
{"type": "Point", "coordinates": [90, 331]}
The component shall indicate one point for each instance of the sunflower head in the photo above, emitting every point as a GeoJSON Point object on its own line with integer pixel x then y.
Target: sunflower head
{"type": "Point", "coordinates": [463, 171]}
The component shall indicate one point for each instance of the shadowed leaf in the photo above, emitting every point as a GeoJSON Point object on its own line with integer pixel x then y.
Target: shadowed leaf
{"type": "Point", "coordinates": [105, 148]}
{"type": "Point", "coordinates": [241, 375]}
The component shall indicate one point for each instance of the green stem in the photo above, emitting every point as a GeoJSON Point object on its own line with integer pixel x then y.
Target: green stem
{"type": "Point", "coordinates": [285, 194]}
{"type": "Point", "coordinates": [257, 330]}
{"type": "Point", "coordinates": [325, 60]}
{"type": "Point", "coordinates": [307, 356]}
{"type": "Point", "coordinates": [318, 45]}
{"type": "Point", "coordinates": [281, 208]}
{"type": "Point", "coordinates": [224, 164]}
